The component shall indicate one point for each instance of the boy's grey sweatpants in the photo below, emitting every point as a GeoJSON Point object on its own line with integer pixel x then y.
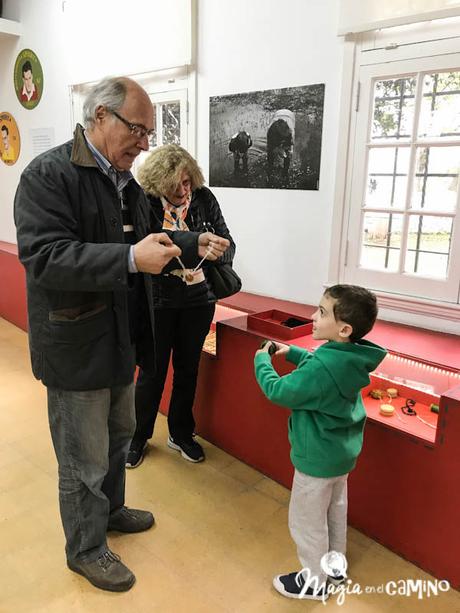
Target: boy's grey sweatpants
{"type": "Point", "coordinates": [318, 519]}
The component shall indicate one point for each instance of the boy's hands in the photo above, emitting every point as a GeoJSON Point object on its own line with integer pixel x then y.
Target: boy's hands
{"type": "Point", "coordinates": [281, 348]}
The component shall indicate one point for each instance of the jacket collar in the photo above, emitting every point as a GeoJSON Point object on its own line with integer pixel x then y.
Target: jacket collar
{"type": "Point", "coordinates": [81, 154]}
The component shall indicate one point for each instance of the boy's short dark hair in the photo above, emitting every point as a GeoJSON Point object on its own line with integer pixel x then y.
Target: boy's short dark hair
{"type": "Point", "coordinates": [355, 306]}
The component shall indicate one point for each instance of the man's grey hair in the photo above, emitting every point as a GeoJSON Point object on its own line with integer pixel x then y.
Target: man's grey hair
{"type": "Point", "coordinates": [110, 92]}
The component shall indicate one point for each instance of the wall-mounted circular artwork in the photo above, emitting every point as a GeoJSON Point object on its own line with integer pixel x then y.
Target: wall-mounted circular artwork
{"type": "Point", "coordinates": [28, 79]}
{"type": "Point", "coordinates": [10, 141]}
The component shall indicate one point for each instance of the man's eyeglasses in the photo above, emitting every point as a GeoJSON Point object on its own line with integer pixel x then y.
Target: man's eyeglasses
{"type": "Point", "coordinates": [136, 129]}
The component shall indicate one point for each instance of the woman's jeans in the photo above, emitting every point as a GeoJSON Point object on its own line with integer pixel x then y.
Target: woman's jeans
{"type": "Point", "coordinates": [182, 331]}
{"type": "Point", "coordinates": [91, 432]}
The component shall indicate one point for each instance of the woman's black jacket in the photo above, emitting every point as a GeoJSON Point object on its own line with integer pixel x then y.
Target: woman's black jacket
{"type": "Point", "coordinates": [203, 215]}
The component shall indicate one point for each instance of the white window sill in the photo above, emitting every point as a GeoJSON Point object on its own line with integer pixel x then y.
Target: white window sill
{"type": "Point", "coordinates": [430, 314]}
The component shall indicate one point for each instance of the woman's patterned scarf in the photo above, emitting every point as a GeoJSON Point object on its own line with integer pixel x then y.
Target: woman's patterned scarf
{"type": "Point", "coordinates": [175, 215]}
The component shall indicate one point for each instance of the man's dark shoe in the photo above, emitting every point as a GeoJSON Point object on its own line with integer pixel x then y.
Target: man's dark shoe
{"type": "Point", "coordinates": [190, 449]}
{"type": "Point", "coordinates": [136, 453]}
{"type": "Point", "coordinates": [107, 572]}
{"type": "Point", "coordinates": [293, 586]}
{"type": "Point", "coordinates": [130, 520]}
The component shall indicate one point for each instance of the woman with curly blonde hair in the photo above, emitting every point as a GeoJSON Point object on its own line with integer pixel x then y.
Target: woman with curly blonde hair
{"type": "Point", "coordinates": [183, 300]}
{"type": "Point", "coordinates": [161, 172]}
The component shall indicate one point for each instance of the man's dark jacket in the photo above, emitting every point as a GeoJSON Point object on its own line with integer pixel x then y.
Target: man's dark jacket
{"type": "Point", "coordinates": [71, 242]}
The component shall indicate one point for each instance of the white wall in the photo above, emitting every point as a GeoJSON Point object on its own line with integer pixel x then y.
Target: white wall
{"type": "Point", "coordinates": [128, 37]}
{"type": "Point", "coordinates": [363, 15]}
{"type": "Point", "coordinates": [282, 236]}
{"type": "Point", "coordinates": [42, 33]}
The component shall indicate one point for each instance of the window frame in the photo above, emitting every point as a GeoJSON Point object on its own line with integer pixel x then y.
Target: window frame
{"type": "Point", "coordinates": [400, 283]}
{"type": "Point", "coordinates": [419, 43]}
{"type": "Point", "coordinates": [158, 99]}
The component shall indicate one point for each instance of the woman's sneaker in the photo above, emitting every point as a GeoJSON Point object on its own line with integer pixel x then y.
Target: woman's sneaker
{"type": "Point", "coordinates": [190, 450]}
{"type": "Point", "coordinates": [293, 586]}
{"type": "Point", "coordinates": [136, 453]}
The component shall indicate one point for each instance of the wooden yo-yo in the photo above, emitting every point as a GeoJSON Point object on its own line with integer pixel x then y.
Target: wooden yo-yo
{"type": "Point", "coordinates": [271, 348]}
{"type": "Point", "coordinates": [387, 409]}
{"type": "Point", "coordinates": [392, 392]}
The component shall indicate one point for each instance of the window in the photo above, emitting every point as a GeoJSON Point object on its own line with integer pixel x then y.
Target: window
{"type": "Point", "coordinates": [170, 121]}
{"type": "Point", "coordinates": [397, 135]}
{"type": "Point", "coordinates": [403, 213]}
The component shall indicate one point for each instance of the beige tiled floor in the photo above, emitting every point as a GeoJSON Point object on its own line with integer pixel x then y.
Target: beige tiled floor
{"type": "Point", "coordinates": [221, 531]}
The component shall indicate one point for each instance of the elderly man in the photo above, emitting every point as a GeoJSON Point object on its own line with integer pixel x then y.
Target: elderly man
{"type": "Point", "coordinates": [83, 237]}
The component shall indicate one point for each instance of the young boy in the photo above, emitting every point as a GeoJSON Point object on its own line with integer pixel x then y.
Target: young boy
{"type": "Point", "coordinates": [325, 427]}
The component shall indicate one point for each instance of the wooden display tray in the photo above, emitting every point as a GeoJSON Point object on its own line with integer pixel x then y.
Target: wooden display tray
{"type": "Point", "coordinates": [406, 423]}
{"type": "Point", "coordinates": [271, 324]}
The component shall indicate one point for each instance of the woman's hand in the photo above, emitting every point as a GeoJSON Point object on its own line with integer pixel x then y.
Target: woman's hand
{"type": "Point", "coordinates": [212, 246]}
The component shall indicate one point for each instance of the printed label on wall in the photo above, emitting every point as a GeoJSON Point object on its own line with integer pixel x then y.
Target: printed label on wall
{"type": "Point", "coordinates": [28, 79]}
{"type": "Point", "coordinates": [10, 144]}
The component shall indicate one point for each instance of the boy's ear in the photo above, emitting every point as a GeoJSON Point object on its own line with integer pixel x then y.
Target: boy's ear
{"type": "Point", "coordinates": [345, 330]}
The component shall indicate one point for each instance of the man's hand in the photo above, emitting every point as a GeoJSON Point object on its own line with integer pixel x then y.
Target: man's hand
{"type": "Point", "coordinates": [153, 252]}
{"type": "Point", "coordinates": [212, 246]}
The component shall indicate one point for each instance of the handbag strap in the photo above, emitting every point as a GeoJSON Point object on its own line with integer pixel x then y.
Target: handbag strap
{"type": "Point", "coordinates": [204, 217]}
{"type": "Point", "coordinates": [208, 228]}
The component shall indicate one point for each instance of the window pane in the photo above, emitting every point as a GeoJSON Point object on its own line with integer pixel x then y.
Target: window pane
{"type": "Point", "coordinates": [381, 241]}
{"type": "Point", "coordinates": [153, 140]}
{"type": "Point", "coordinates": [393, 108]}
{"type": "Point", "coordinates": [380, 259]}
{"type": "Point", "coordinates": [428, 245]}
{"type": "Point", "coordinates": [440, 109]}
{"type": "Point", "coordinates": [387, 177]}
{"type": "Point", "coordinates": [436, 178]}
{"type": "Point", "coordinates": [171, 123]}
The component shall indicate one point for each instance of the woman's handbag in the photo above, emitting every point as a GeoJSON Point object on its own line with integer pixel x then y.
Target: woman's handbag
{"type": "Point", "coordinates": [223, 279]}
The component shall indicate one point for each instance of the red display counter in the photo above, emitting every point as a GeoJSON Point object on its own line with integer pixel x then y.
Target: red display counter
{"type": "Point", "coordinates": [12, 286]}
{"type": "Point", "coordinates": [405, 491]}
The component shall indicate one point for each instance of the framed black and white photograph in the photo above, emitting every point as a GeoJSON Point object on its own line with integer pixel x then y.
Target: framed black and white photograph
{"type": "Point", "coordinates": [267, 139]}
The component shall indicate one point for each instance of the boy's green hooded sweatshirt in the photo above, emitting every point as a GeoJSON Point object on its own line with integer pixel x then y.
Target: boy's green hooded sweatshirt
{"type": "Point", "coordinates": [324, 393]}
